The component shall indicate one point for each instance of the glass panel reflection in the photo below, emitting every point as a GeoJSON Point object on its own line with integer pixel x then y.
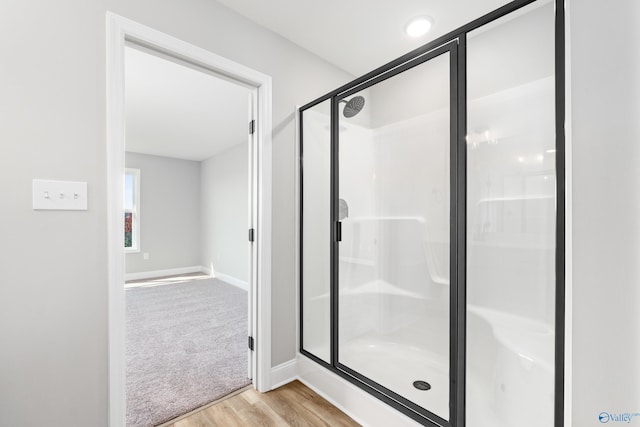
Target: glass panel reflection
{"type": "Point", "coordinates": [316, 181]}
{"type": "Point", "coordinates": [511, 203]}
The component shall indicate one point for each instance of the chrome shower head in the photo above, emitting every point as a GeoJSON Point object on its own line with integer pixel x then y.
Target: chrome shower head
{"type": "Point", "coordinates": [353, 106]}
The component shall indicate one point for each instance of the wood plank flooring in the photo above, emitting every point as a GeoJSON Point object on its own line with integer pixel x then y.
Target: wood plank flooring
{"type": "Point", "coordinates": [293, 404]}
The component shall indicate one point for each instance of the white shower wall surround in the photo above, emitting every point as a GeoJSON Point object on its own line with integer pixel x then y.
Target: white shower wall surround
{"type": "Point", "coordinates": [511, 203]}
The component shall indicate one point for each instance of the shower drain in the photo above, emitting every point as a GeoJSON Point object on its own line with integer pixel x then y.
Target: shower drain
{"type": "Point", "coordinates": [422, 385]}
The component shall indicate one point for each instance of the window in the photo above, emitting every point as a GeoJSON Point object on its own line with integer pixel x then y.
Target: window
{"type": "Point", "coordinates": [132, 210]}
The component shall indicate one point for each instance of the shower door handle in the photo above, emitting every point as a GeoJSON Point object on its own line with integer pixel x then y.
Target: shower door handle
{"type": "Point", "coordinates": [338, 231]}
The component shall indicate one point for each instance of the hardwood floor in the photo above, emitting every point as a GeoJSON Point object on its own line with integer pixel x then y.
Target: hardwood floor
{"type": "Point", "coordinates": [293, 404]}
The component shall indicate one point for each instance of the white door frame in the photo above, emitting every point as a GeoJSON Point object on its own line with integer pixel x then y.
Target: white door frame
{"type": "Point", "coordinates": [120, 31]}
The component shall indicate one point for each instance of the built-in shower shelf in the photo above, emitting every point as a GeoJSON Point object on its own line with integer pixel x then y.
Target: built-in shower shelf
{"type": "Point", "coordinates": [386, 218]}
{"type": "Point", "coordinates": [516, 198]}
{"type": "Point", "coordinates": [358, 261]}
{"type": "Point", "coordinates": [530, 339]}
{"type": "Point", "coordinates": [379, 287]}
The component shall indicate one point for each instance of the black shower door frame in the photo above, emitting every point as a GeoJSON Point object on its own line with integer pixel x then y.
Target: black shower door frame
{"type": "Point", "coordinates": [457, 238]}
{"type": "Point", "coordinates": [455, 44]}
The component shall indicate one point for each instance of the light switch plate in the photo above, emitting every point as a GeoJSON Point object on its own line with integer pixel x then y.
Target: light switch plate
{"type": "Point", "coordinates": [59, 195]}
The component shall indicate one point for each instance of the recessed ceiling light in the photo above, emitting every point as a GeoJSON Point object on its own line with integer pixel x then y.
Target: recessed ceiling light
{"type": "Point", "coordinates": [418, 26]}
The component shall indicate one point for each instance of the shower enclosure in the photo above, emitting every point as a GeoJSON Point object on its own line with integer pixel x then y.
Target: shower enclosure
{"type": "Point", "coordinates": [431, 225]}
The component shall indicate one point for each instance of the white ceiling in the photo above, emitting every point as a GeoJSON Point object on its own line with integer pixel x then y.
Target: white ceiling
{"type": "Point", "coordinates": [359, 35]}
{"type": "Point", "coordinates": [176, 111]}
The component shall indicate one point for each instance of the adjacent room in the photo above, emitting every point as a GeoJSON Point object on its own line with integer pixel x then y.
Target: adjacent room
{"type": "Point", "coordinates": [185, 238]}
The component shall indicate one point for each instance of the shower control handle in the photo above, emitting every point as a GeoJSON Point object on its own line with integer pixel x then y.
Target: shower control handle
{"type": "Point", "coordinates": [338, 231]}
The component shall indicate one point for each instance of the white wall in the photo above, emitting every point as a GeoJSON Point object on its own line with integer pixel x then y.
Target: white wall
{"type": "Point", "coordinates": [169, 213]}
{"type": "Point", "coordinates": [53, 301]}
{"type": "Point", "coordinates": [605, 104]}
{"type": "Point", "coordinates": [224, 196]}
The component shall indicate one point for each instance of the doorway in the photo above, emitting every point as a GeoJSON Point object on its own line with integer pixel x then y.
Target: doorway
{"type": "Point", "coordinates": [188, 207]}
{"type": "Point", "coordinates": [123, 33]}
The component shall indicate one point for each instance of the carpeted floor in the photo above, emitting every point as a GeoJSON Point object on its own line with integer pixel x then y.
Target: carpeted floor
{"type": "Point", "coordinates": [186, 347]}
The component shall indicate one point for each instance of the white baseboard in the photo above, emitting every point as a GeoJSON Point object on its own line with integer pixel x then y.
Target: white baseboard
{"type": "Point", "coordinates": [232, 280]}
{"type": "Point", "coordinates": [162, 273]}
{"type": "Point", "coordinates": [283, 374]}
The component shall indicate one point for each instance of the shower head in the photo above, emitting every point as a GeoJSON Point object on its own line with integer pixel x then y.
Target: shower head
{"type": "Point", "coordinates": [353, 107]}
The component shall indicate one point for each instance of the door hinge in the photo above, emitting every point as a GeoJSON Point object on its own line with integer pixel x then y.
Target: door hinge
{"type": "Point", "coordinates": [252, 127]}
{"type": "Point", "coordinates": [251, 343]}
{"type": "Point", "coordinates": [252, 235]}
{"type": "Point", "coordinates": [338, 231]}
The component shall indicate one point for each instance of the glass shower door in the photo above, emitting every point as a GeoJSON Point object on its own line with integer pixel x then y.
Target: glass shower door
{"type": "Point", "coordinates": [392, 206]}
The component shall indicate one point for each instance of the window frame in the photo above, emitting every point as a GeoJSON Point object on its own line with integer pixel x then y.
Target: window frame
{"type": "Point", "coordinates": [135, 211]}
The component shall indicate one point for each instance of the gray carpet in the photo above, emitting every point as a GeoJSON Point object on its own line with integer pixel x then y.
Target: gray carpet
{"type": "Point", "coordinates": [186, 347]}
